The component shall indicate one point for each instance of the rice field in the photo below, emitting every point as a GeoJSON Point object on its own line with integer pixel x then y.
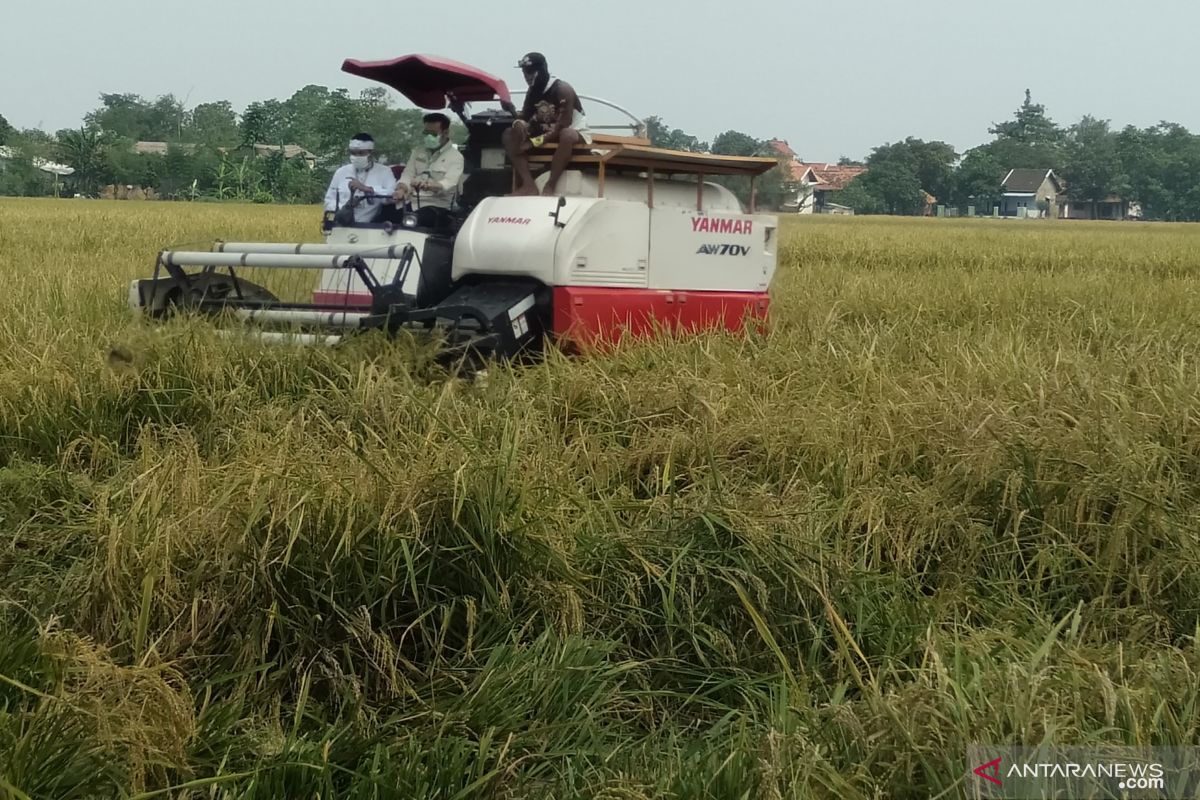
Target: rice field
{"type": "Point", "coordinates": [952, 496]}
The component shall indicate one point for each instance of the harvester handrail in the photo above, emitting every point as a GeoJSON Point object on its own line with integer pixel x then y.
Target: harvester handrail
{"type": "Point", "coordinates": [639, 124]}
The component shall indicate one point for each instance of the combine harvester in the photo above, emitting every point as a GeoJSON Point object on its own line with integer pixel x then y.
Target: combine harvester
{"type": "Point", "coordinates": [636, 240]}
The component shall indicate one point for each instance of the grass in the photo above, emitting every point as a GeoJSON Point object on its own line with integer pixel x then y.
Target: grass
{"type": "Point", "coordinates": [952, 497]}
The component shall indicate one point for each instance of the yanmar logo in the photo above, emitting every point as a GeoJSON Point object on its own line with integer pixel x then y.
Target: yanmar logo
{"type": "Point", "coordinates": [509, 220]}
{"type": "Point", "coordinates": [715, 225]}
{"type": "Point", "coordinates": [724, 250]}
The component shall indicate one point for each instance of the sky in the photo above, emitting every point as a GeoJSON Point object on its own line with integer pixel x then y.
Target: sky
{"type": "Point", "coordinates": [833, 78]}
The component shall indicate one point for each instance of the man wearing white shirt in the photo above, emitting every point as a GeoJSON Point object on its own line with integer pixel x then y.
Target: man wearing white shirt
{"type": "Point", "coordinates": [363, 179]}
{"type": "Point", "coordinates": [431, 176]}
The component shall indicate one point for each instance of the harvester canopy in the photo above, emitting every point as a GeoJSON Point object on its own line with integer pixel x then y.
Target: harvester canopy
{"type": "Point", "coordinates": [432, 82]}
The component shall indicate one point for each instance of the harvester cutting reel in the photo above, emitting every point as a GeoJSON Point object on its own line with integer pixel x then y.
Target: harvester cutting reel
{"type": "Point", "coordinates": [476, 321]}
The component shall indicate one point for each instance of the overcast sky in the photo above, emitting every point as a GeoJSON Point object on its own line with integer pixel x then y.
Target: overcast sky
{"type": "Point", "coordinates": [834, 78]}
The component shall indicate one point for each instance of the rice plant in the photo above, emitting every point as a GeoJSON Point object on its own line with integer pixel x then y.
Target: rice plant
{"type": "Point", "coordinates": [952, 496]}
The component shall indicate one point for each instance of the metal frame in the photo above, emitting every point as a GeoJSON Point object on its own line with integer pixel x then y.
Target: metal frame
{"type": "Point", "coordinates": [173, 263]}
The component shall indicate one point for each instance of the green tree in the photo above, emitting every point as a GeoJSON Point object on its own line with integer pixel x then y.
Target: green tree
{"type": "Point", "coordinates": [894, 185]}
{"type": "Point", "coordinates": [214, 124]}
{"type": "Point", "coordinates": [1030, 140]}
{"type": "Point", "coordinates": [1162, 167]}
{"type": "Point", "coordinates": [85, 150]}
{"type": "Point", "coordinates": [776, 188]}
{"type": "Point", "coordinates": [35, 142]}
{"type": "Point", "coordinates": [858, 196]}
{"type": "Point", "coordinates": [334, 122]}
{"type": "Point", "coordinates": [772, 189]}
{"type": "Point", "coordinates": [131, 117]}
{"type": "Point", "coordinates": [896, 174]}
{"type": "Point", "coordinates": [6, 130]}
{"type": "Point", "coordinates": [20, 178]}
{"type": "Point", "coordinates": [125, 167]}
{"type": "Point", "coordinates": [736, 143]}
{"type": "Point", "coordinates": [264, 122]}
{"type": "Point", "coordinates": [977, 180]}
{"type": "Point", "coordinates": [1029, 125]}
{"type": "Point", "coordinates": [934, 165]}
{"type": "Point", "coordinates": [662, 135]}
{"type": "Point", "coordinates": [1093, 169]}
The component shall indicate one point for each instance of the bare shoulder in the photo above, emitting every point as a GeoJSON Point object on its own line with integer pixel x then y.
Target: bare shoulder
{"type": "Point", "coordinates": [565, 90]}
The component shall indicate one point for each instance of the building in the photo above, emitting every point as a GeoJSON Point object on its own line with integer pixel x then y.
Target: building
{"type": "Point", "coordinates": [290, 151]}
{"type": "Point", "coordinates": [817, 182]}
{"type": "Point", "coordinates": [58, 170]}
{"type": "Point", "coordinates": [1031, 193]}
{"type": "Point", "coordinates": [161, 148]}
{"type": "Point", "coordinates": [1112, 207]}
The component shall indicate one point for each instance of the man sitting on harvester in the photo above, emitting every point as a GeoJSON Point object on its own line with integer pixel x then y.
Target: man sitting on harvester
{"type": "Point", "coordinates": [362, 182]}
{"type": "Point", "coordinates": [430, 178]}
{"type": "Point", "coordinates": [552, 113]}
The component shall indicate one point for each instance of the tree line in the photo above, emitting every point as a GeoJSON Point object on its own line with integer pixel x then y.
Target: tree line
{"type": "Point", "coordinates": [209, 151]}
{"type": "Point", "coordinates": [1157, 167]}
{"type": "Point", "coordinates": [208, 156]}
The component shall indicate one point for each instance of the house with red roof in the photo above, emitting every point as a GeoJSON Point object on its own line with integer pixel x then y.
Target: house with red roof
{"type": "Point", "coordinates": [821, 180]}
{"type": "Point", "coordinates": [816, 181]}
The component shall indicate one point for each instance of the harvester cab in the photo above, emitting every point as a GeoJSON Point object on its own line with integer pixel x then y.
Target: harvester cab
{"type": "Point", "coordinates": [637, 238]}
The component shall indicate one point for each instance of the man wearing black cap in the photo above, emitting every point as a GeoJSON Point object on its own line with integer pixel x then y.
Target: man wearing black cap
{"type": "Point", "coordinates": [552, 113]}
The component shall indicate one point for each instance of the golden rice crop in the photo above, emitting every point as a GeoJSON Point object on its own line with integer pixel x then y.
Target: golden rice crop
{"type": "Point", "coordinates": [952, 496]}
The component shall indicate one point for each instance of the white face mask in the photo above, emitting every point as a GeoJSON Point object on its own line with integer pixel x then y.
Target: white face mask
{"type": "Point", "coordinates": [359, 162]}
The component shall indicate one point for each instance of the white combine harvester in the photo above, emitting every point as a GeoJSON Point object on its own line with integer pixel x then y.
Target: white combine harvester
{"type": "Point", "coordinates": [636, 239]}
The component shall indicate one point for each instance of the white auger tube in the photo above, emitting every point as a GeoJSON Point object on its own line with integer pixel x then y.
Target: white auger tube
{"type": "Point", "coordinates": [183, 258]}
{"type": "Point", "coordinates": [367, 250]}
{"type": "Point", "coordinates": [275, 337]}
{"type": "Point", "coordinates": [287, 316]}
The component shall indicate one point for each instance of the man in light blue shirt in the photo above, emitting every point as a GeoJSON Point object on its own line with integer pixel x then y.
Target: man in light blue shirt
{"type": "Point", "coordinates": [430, 179]}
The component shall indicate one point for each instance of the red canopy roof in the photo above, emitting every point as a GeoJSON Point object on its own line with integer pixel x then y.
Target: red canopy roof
{"type": "Point", "coordinates": [429, 80]}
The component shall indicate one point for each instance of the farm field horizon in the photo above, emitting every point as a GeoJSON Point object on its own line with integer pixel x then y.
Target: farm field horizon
{"type": "Point", "coordinates": [951, 497]}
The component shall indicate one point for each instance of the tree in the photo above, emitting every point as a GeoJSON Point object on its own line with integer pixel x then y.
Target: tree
{"type": "Point", "coordinates": [335, 122]}
{"type": "Point", "coordinates": [20, 178]}
{"type": "Point", "coordinates": [859, 197]}
{"type": "Point", "coordinates": [661, 135]}
{"type": "Point", "coordinates": [1029, 125]}
{"type": "Point", "coordinates": [131, 117]}
{"type": "Point", "coordinates": [736, 143]}
{"type": "Point", "coordinates": [1162, 168]}
{"type": "Point", "coordinates": [935, 166]}
{"type": "Point", "coordinates": [894, 185]}
{"type": "Point", "coordinates": [1093, 165]}
{"type": "Point", "coordinates": [84, 149]}
{"type": "Point", "coordinates": [6, 130]}
{"type": "Point", "coordinates": [263, 122]}
{"type": "Point", "coordinates": [896, 174]}
{"type": "Point", "coordinates": [214, 124]}
{"type": "Point", "coordinates": [1030, 140]}
{"type": "Point", "coordinates": [977, 180]}
{"type": "Point", "coordinates": [771, 188]}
